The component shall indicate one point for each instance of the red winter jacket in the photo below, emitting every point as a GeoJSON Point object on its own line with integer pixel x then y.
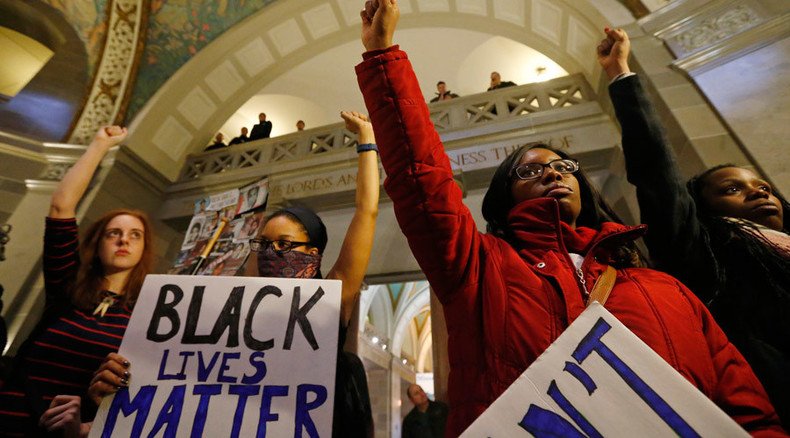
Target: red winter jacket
{"type": "Point", "coordinates": [505, 303]}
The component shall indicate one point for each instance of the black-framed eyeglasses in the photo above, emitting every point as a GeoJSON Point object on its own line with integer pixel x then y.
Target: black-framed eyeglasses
{"type": "Point", "coordinates": [280, 246]}
{"type": "Point", "coordinates": [535, 170]}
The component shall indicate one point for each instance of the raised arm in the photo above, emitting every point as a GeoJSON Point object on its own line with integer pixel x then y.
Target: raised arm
{"type": "Point", "coordinates": [73, 185]}
{"type": "Point", "coordinates": [427, 201]}
{"type": "Point", "coordinates": [352, 263]}
{"type": "Point", "coordinates": [675, 238]}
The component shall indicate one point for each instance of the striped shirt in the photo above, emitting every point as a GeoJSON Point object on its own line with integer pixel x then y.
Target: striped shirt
{"type": "Point", "coordinates": [68, 344]}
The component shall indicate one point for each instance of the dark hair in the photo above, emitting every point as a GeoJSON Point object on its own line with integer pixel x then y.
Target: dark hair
{"type": "Point", "coordinates": [697, 184]}
{"type": "Point", "coordinates": [86, 292]}
{"type": "Point", "coordinates": [498, 202]}
{"type": "Point", "coordinates": [761, 253]}
{"type": "Point", "coordinates": [440, 83]}
{"type": "Point", "coordinates": [310, 222]}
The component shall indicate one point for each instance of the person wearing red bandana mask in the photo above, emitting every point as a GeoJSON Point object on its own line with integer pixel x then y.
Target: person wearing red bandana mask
{"type": "Point", "coordinates": [291, 244]}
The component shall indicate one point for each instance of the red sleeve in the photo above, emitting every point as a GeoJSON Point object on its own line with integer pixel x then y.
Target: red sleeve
{"type": "Point", "coordinates": [61, 259]}
{"type": "Point", "coordinates": [737, 390]}
{"type": "Point", "coordinates": [427, 201]}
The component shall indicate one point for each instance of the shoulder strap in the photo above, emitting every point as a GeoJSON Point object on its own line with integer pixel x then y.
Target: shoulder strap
{"type": "Point", "coordinates": [603, 286]}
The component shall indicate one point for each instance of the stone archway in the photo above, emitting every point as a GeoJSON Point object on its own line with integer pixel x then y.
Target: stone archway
{"type": "Point", "coordinates": [225, 74]}
{"type": "Point", "coordinates": [407, 310]}
{"type": "Point", "coordinates": [376, 304]}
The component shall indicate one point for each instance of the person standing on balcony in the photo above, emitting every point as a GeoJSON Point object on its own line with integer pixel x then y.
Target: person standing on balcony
{"type": "Point", "coordinates": [218, 143]}
{"type": "Point", "coordinates": [300, 125]}
{"type": "Point", "coordinates": [496, 82]}
{"type": "Point", "coordinates": [262, 130]}
{"type": "Point", "coordinates": [442, 93]}
{"type": "Point", "coordinates": [241, 138]}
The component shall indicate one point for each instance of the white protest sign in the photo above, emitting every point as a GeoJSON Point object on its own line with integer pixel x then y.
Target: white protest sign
{"type": "Point", "coordinates": [598, 379]}
{"type": "Point", "coordinates": [228, 356]}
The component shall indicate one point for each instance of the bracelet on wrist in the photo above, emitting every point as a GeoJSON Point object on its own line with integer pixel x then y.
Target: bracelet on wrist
{"type": "Point", "coordinates": [364, 147]}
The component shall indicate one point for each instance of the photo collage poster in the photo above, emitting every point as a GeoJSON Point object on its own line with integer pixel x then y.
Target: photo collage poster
{"type": "Point", "coordinates": [244, 209]}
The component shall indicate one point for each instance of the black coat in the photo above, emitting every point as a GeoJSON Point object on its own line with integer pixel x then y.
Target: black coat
{"type": "Point", "coordinates": [239, 139]}
{"type": "Point", "coordinates": [750, 310]}
{"type": "Point", "coordinates": [261, 130]}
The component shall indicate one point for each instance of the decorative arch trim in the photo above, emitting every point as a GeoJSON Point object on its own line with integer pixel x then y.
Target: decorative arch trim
{"type": "Point", "coordinates": [208, 89]}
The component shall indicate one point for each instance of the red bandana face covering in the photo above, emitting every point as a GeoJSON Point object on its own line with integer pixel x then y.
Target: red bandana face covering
{"type": "Point", "coordinates": [292, 264]}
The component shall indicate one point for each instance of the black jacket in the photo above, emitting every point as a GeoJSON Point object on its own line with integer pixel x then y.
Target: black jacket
{"type": "Point", "coordinates": [261, 130]}
{"type": "Point", "coordinates": [753, 314]}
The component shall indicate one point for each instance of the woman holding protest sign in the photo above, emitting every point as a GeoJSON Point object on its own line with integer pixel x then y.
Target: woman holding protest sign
{"type": "Point", "coordinates": [91, 287]}
{"type": "Point", "coordinates": [291, 244]}
{"type": "Point", "coordinates": [509, 293]}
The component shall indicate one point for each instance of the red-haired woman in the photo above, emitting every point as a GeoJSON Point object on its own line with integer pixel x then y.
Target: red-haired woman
{"type": "Point", "coordinates": [91, 287]}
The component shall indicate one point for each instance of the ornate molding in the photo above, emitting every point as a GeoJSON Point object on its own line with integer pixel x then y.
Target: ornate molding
{"type": "Point", "coordinates": [716, 28]}
{"type": "Point", "coordinates": [690, 27]}
{"type": "Point", "coordinates": [115, 75]}
{"type": "Point", "coordinates": [55, 171]}
{"type": "Point", "coordinates": [744, 42]}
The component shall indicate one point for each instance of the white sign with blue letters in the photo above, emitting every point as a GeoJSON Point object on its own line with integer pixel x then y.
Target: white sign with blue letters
{"type": "Point", "coordinates": [597, 380]}
{"type": "Point", "coordinates": [227, 356]}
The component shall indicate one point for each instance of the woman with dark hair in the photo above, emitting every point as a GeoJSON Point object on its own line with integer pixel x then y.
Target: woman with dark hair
{"type": "Point", "coordinates": [508, 294]}
{"type": "Point", "coordinates": [91, 287]}
{"type": "Point", "coordinates": [725, 234]}
{"type": "Point", "coordinates": [594, 211]}
{"type": "Point", "coordinates": [291, 244]}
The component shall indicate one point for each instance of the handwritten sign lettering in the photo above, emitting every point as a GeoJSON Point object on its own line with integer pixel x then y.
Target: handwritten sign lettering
{"type": "Point", "coordinates": [228, 356]}
{"type": "Point", "coordinates": [598, 379]}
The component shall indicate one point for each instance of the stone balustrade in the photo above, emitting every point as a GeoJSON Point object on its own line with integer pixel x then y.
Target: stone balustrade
{"type": "Point", "coordinates": [452, 119]}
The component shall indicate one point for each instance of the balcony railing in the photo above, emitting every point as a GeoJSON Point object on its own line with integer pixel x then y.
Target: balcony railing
{"type": "Point", "coordinates": [458, 114]}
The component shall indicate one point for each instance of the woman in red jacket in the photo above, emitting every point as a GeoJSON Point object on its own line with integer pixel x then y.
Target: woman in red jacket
{"type": "Point", "coordinates": [508, 294]}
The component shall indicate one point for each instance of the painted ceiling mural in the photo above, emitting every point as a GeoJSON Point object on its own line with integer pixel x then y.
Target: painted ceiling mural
{"type": "Point", "coordinates": [177, 30]}
{"type": "Point", "coordinates": [89, 18]}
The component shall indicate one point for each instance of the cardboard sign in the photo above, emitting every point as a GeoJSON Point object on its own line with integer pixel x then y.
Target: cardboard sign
{"type": "Point", "coordinates": [228, 356]}
{"type": "Point", "coordinates": [598, 379]}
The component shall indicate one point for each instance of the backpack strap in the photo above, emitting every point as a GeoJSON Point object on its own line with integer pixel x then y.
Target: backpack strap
{"type": "Point", "coordinates": [603, 286]}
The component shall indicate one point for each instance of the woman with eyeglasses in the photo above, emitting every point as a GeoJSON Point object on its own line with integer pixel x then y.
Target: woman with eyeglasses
{"type": "Point", "coordinates": [509, 293]}
{"type": "Point", "coordinates": [291, 244]}
{"type": "Point", "coordinates": [724, 234]}
{"type": "Point", "coordinates": [91, 287]}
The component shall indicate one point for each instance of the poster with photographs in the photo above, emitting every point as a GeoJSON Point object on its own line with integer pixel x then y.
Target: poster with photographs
{"type": "Point", "coordinates": [248, 227]}
{"type": "Point", "coordinates": [253, 195]}
{"type": "Point", "coordinates": [195, 230]}
{"type": "Point", "coordinates": [231, 249]}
